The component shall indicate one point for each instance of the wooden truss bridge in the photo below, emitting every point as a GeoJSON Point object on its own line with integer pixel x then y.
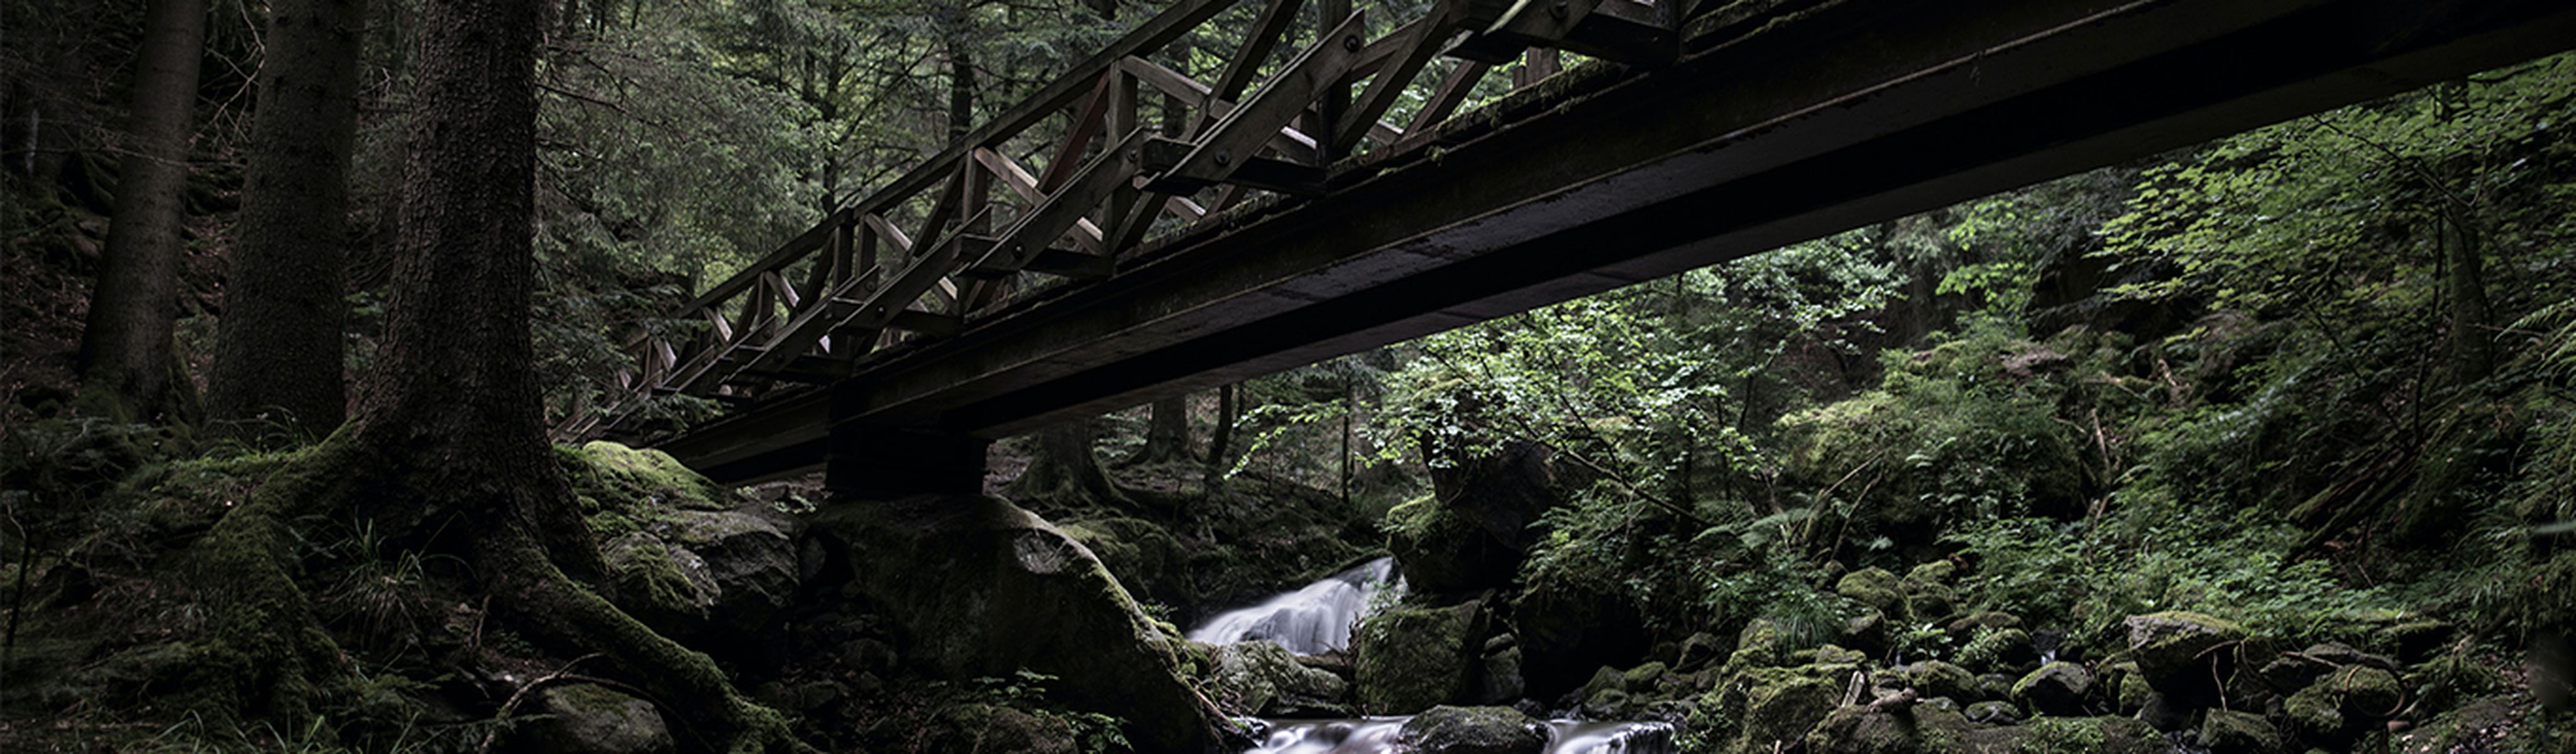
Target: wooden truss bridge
{"type": "Point", "coordinates": [1132, 231]}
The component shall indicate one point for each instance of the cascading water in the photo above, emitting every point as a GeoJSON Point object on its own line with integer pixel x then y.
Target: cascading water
{"type": "Point", "coordinates": [1309, 621]}
{"type": "Point", "coordinates": [1318, 619]}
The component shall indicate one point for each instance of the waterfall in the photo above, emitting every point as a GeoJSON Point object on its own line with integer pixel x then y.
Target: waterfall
{"type": "Point", "coordinates": [1309, 621]}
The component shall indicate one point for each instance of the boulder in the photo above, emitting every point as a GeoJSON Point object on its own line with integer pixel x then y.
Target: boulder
{"type": "Point", "coordinates": [585, 718]}
{"type": "Point", "coordinates": [2057, 688]}
{"type": "Point", "coordinates": [1262, 678]}
{"type": "Point", "coordinates": [1501, 681]}
{"type": "Point", "coordinates": [1999, 650]}
{"type": "Point", "coordinates": [1407, 659]}
{"type": "Point", "coordinates": [1867, 632]}
{"type": "Point", "coordinates": [1994, 712]}
{"type": "Point", "coordinates": [994, 727]}
{"type": "Point", "coordinates": [2090, 735]}
{"type": "Point", "coordinates": [1931, 678]}
{"type": "Point", "coordinates": [2183, 654]}
{"type": "Point", "coordinates": [1875, 588]}
{"type": "Point", "coordinates": [749, 553]}
{"type": "Point", "coordinates": [1567, 629]}
{"type": "Point", "coordinates": [1474, 528]}
{"type": "Point", "coordinates": [975, 587]}
{"type": "Point", "coordinates": [1473, 730]}
{"type": "Point", "coordinates": [2231, 732]}
{"type": "Point", "coordinates": [1701, 650]}
{"type": "Point", "coordinates": [1761, 707]}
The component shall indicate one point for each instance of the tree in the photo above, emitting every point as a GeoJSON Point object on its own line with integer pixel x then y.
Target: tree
{"type": "Point", "coordinates": [1066, 467]}
{"type": "Point", "coordinates": [1167, 432]}
{"type": "Point", "coordinates": [449, 451]}
{"type": "Point", "coordinates": [126, 356]}
{"type": "Point", "coordinates": [278, 347]}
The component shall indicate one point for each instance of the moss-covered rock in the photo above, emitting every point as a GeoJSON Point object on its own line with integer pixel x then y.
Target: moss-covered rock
{"type": "Point", "coordinates": [1933, 572]}
{"type": "Point", "coordinates": [2233, 732]}
{"type": "Point", "coordinates": [2183, 654]}
{"type": "Point", "coordinates": [994, 727]}
{"type": "Point", "coordinates": [1145, 558]}
{"type": "Point", "coordinates": [2069, 735]}
{"type": "Point", "coordinates": [2057, 688]}
{"type": "Point", "coordinates": [1931, 678]}
{"type": "Point", "coordinates": [1262, 678]}
{"type": "Point", "coordinates": [1408, 659]}
{"type": "Point", "coordinates": [1473, 730]}
{"type": "Point", "coordinates": [1984, 619]}
{"type": "Point", "coordinates": [1759, 707]}
{"type": "Point", "coordinates": [1875, 588]}
{"type": "Point", "coordinates": [976, 587]}
{"type": "Point", "coordinates": [613, 482]}
{"type": "Point", "coordinates": [1998, 650]}
{"type": "Point", "coordinates": [1996, 712]}
{"type": "Point", "coordinates": [2316, 715]}
{"type": "Point", "coordinates": [584, 718]}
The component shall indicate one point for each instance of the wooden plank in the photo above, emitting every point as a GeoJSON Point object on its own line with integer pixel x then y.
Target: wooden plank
{"type": "Point", "coordinates": [1232, 140]}
{"type": "Point", "coordinates": [1051, 218]}
{"type": "Point", "coordinates": [1416, 43]}
{"type": "Point", "coordinates": [927, 323]}
{"type": "Point", "coordinates": [1078, 138]}
{"type": "Point", "coordinates": [1266, 33]}
{"type": "Point", "coordinates": [1086, 234]}
{"type": "Point", "coordinates": [893, 236]}
{"type": "Point", "coordinates": [1290, 141]}
{"type": "Point", "coordinates": [1453, 90]}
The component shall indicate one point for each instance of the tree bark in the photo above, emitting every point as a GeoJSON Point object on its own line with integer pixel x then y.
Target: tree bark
{"type": "Point", "coordinates": [1167, 432]}
{"type": "Point", "coordinates": [2472, 336]}
{"type": "Point", "coordinates": [126, 355]}
{"type": "Point", "coordinates": [1221, 439]}
{"type": "Point", "coordinates": [1066, 466]}
{"type": "Point", "coordinates": [278, 348]}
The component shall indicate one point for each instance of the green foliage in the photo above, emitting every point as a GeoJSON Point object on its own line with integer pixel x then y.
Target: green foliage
{"type": "Point", "coordinates": [1026, 691]}
{"type": "Point", "coordinates": [2231, 568]}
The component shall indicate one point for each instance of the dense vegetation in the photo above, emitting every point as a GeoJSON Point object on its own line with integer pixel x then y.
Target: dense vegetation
{"type": "Point", "coordinates": [2305, 396]}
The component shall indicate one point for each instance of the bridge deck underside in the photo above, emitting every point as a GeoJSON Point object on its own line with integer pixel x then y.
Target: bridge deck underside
{"type": "Point", "coordinates": [1807, 124]}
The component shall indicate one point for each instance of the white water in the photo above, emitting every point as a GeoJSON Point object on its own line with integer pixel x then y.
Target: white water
{"type": "Point", "coordinates": [1376, 735]}
{"type": "Point", "coordinates": [1313, 620]}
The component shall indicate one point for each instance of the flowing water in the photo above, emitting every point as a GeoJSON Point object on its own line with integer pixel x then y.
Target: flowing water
{"type": "Point", "coordinates": [1319, 618]}
{"type": "Point", "coordinates": [1309, 621]}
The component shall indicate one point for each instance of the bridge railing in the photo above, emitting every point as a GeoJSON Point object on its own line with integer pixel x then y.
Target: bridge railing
{"type": "Point", "coordinates": [926, 255]}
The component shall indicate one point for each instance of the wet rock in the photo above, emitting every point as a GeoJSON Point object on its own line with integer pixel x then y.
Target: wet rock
{"type": "Point", "coordinates": [1501, 681]}
{"type": "Point", "coordinates": [1261, 678]}
{"type": "Point", "coordinates": [1867, 632]}
{"type": "Point", "coordinates": [2228, 732]}
{"type": "Point", "coordinates": [1473, 730]}
{"type": "Point", "coordinates": [1606, 695]}
{"type": "Point", "coordinates": [1410, 658]}
{"type": "Point", "coordinates": [975, 586]}
{"type": "Point", "coordinates": [2183, 654]}
{"type": "Point", "coordinates": [584, 718]}
{"type": "Point", "coordinates": [2057, 688]}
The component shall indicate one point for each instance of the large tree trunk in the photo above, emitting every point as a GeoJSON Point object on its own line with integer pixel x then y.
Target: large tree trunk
{"type": "Point", "coordinates": [278, 347]}
{"type": "Point", "coordinates": [1221, 438]}
{"type": "Point", "coordinates": [449, 452]}
{"type": "Point", "coordinates": [126, 355]}
{"type": "Point", "coordinates": [1066, 468]}
{"type": "Point", "coordinates": [1167, 432]}
{"type": "Point", "coordinates": [2472, 335]}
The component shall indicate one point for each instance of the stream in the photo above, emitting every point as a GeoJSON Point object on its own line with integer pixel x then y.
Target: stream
{"type": "Point", "coordinates": [1319, 617]}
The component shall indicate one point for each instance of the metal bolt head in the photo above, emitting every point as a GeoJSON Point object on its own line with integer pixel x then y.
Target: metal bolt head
{"type": "Point", "coordinates": [1351, 42]}
{"type": "Point", "coordinates": [1224, 157]}
{"type": "Point", "coordinates": [1558, 10]}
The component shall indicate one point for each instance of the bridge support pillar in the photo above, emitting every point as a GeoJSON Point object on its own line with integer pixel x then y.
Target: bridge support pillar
{"type": "Point", "coordinates": [883, 464]}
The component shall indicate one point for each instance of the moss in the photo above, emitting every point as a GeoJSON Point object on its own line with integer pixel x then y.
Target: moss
{"type": "Point", "coordinates": [1996, 649]}
{"type": "Point", "coordinates": [1935, 572]}
{"type": "Point", "coordinates": [2316, 713]}
{"type": "Point", "coordinates": [2181, 652]}
{"type": "Point", "coordinates": [1409, 659]}
{"type": "Point", "coordinates": [623, 489]}
{"type": "Point", "coordinates": [2088, 735]}
{"type": "Point", "coordinates": [1760, 707]}
{"type": "Point", "coordinates": [1874, 587]}
{"type": "Point", "coordinates": [2230, 732]}
{"type": "Point", "coordinates": [1473, 730]}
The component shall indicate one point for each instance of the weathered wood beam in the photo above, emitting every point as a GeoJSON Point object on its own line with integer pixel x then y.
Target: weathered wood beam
{"type": "Point", "coordinates": [1414, 45]}
{"type": "Point", "coordinates": [1061, 211]}
{"type": "Point", "coordinates": [1232, 141]}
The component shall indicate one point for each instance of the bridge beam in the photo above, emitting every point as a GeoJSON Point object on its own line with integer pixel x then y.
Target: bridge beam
{"type": "Point", "coordinates": [877, 463]}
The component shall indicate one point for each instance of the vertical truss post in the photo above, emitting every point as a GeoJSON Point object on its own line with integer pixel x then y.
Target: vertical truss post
{"type": "Point", "coordinates": [1336, 97]}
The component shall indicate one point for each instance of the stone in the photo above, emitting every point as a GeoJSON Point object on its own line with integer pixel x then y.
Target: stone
{"type": "Point", "coordinates": [2316, 715]}
{"type": "Point", "coordinates": [994, 727]}
{"type": "Point", "coordinates": [2131, 694]}
{"type": "Point", "coordinates": [1501, 681]}
{"type": "Point", "coordinates": [1407, 659]}
{"type": "Point", "coordinates": [1262, 678]}
{"type": "Point", "coordinates": [1994, 712]}
{"type": "Point", "coordinates": [2057, 688]}
{"type": "Point", "coordinates": [1769, 706]}
{"type": "Point", "coordinates": [1936, 678]}
{"type": "Point", "coordinates": [1929, 602]}
{"type": "Point", "coordinates": [1867, 632]}
{"type": "Point", "coordinates": [1998, 650]}
{"type": "Point", "coordinates": [2183, 654]}
{"type": "Point", "coordinates": [2230, 732]}
{"type": "Point", "coordinates": [974, 586]}
{"type": "Point", "coordinates": [586, 718]}
{"type": "Point", "coordinates": [1984, 619]}
{"type": "Point", "coordinates": [2339, 655]}
{"type": "Point", "coordinates": [2069, 735]}
{"type": "Point", "coordinates": [1568, 628]}
{"type": "Point", "coordinates": [749, 552]}
{"type": "Point", "coordinates": [1700, 650]}
{"type": "Point", "coordinates": [1643, 678]}
{"type": "Point", "coordinates": [2292, 671]}
{"type": "Point", "coordinates": [1875, 588]}
{"type": "Point", "coordinates": [1473, 530]}
{"type": "Point", "coordinates": [1607, 691]}
{"type": "Point", "coordinates": [1933, 572]}
{"type": "Point", "coordinates": [1473, 730]}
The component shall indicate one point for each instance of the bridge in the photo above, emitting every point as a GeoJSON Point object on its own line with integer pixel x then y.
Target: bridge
{"type": "Point", "coordinates": [1131, 232]}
